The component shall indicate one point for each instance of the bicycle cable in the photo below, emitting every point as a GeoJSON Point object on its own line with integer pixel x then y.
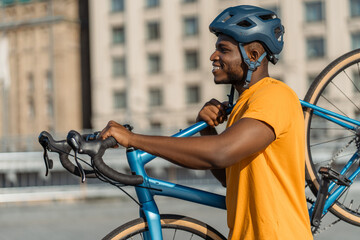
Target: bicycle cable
{"type": "Point", "coordinates": [103, 178]}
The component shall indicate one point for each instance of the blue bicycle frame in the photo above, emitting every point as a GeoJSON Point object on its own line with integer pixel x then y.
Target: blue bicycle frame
{"type": "Point", "coordinates": [342, 121]}
{"type": "Point", "coordinates": [150, 187]}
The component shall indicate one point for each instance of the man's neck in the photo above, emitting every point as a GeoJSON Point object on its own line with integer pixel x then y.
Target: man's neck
{"type": "Point", "coordinates": [255, 78]}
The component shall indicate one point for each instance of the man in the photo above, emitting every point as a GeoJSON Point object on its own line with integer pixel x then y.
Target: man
{"type": "Point", "coordinates": [260, 156]}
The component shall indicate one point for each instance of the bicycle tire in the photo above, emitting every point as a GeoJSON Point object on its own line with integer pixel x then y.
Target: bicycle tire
{"type": "Point", "coordinates": [336, 89]}
{"type": "Point", "coordinates": [171, 224]}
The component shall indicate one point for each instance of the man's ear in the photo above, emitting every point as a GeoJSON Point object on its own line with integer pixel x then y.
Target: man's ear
{"type": "Point", "coordinates": [254, 50]}
{"type": "Point", "coordinates": [254, 55]}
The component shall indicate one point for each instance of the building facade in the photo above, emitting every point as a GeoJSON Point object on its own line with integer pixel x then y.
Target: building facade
{"type": "Point", "coordinates": [43, 90]}
{"type": "Point", "coordinates": [150, 58]}
{"type": "Point", "coordinates": [150, 62]}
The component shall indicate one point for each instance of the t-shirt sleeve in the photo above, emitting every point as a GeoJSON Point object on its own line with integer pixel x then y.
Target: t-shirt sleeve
{"type": "Point", "coordinates": [273, 105]}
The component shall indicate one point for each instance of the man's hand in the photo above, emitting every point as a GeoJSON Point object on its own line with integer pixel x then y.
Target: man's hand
{"type": "Point", "coordinates": [213, 113]}
{"type": "Point", "coordinates": [119, 132]}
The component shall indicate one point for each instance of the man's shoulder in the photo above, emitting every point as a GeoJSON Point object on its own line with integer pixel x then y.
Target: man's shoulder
{"type": "Point", "coordinates": [275, 89]}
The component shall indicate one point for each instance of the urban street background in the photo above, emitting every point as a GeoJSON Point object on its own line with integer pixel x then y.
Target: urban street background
{"type": "Point", "coordinates": [94, 219]}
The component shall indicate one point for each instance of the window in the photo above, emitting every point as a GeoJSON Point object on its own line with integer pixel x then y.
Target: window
{"type": "Point", "coordinates": [7, 2]}
{"type": "Point", "coordinates": [310, 79]}
{"type": "Point", "coordinates": [154, 63]}
{"type": "Point", "coordinates": [356, 80]}
{"type": "Point", "coordinates": [315, 47]}
{"type": "Point", "coordinates": [355, 40]}
{"type": "Point", "coordinates": [118, 35]}
{"type": "Point", "coordinates": [191, 60]}
{"type": "Point", "coordinates": [355, 8]}
{"type": "Point", "coordinates": [31, 84]}
{"type": "Point", "coordinates": [31, 108]}
{"type": "Point", "coordinates": [154, 125]}
{"type": "Point", "coordinates": [191, 122]}
{"type": "Point", "coordinates": [153, 30]}
{"type": "Point", "coordinates": [191, 27]}
{"type": "Point", "coordinates": [192, 94]}
{"type": "Point", "coordinates": [117, 5]}
{"type": "Point", "coordinates": [314, 11]}
{"type": "Point", "coordinates": [152, 3]}
{"type": "Point", "coordinates": [155, 97]}
{"type": "Point", "coordinates": [50, 107]}
{"type": "Point", "coordinates": [119, 67]}
{"type": "Point", "coordinates": [49, 81]}
{"type": "Point", "coordinates": [120, 100]}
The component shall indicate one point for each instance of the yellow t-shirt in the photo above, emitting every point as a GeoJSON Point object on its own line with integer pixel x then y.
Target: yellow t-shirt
{"type": "Point", "coordinates": [265, 196]}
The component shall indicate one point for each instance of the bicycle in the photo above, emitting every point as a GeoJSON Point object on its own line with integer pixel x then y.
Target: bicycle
{"type": "Point", "coordinates": [330, 184]}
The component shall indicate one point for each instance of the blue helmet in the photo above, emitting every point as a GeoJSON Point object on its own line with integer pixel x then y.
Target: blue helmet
{"type": "Point", "coordinates": [249, 23]}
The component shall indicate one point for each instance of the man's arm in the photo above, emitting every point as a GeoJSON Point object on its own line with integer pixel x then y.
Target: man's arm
{"type": "Point", "coordinates": [246, 137]}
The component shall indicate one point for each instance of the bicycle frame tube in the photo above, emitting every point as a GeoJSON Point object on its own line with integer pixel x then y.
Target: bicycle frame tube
{"type": "Point", "coordinates": [197, 127]}
{"type": "Point", "coordinates": [331, 116]}
{"type": "Point", "coordinates": [342, 121]}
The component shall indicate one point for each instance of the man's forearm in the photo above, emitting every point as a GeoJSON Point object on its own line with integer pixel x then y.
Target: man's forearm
{"type": "Point", "coordinates": [195, 152]}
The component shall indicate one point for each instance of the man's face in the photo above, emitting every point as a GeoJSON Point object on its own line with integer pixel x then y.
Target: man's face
{"type": "Point", "coordinates": [228, 67]}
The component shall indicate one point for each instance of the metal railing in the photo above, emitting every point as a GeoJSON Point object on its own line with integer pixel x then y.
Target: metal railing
{"type": "Point", "coordinates": [22, 178]}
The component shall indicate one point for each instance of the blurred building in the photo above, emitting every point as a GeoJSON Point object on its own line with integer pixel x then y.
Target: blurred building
{"type": "Point", "coordinates": [42, 46]}
{"type": "Point", "coordinates": [150, 62]}
{"type": "Point", "coordinates": [150, 58]}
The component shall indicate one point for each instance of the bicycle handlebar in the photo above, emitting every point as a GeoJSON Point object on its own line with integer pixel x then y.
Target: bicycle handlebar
{"type": "Point", "coordinates": [63, 149]}
{"type": "Point", "coordinates": [96, 149]}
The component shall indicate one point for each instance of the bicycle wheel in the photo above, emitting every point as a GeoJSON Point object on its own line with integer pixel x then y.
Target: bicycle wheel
{"type": "Point", "coordinates": [337, 88]}
{"type": "Point", "coordinates": [173, 227]}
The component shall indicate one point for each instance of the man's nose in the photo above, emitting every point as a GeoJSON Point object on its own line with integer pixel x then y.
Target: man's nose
{"type": "Point", "coordinates": [214, 56]}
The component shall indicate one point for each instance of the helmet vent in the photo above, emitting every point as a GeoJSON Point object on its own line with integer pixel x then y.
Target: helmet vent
{"type": "Point", "coordinates": [245, 23]}
{"type": "Point", "coordinates": [278, 33]}
{"type": "Point", "coordinates": [227, 18]}
{"type": "Point", "coordinates": [268, 17]}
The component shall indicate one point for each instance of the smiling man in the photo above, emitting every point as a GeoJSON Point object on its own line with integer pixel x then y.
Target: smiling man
{"type": "Point", "coordinates": [259, 158]}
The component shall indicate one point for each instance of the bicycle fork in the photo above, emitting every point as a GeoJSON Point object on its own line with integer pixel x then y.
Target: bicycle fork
{"type": "Point", "coordinates": [151, 213]}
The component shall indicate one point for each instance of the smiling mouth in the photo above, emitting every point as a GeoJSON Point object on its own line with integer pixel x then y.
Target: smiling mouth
{"type": "Point", "coordinates": [216, 68]}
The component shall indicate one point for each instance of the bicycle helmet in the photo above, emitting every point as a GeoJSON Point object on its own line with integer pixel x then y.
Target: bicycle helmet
{"type": "Point", "coordinates": [248, 24]}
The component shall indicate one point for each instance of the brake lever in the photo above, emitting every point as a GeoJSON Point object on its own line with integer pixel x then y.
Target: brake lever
{"type": "Point", "coordinates": [48, 162]}
{"type": "Point", "coordinates": [82, 172]}
{"type": "Point", "coordinates": [76, 147]}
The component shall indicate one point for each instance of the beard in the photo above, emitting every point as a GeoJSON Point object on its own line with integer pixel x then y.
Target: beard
{"type": "Point", "coordinates": [236, 80]}
{"type": "Point", "coordinates": [236, 76]}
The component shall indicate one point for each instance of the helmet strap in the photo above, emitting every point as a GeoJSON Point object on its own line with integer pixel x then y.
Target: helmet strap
{"type": "Point", "coordinates": [252, 65]}
{"type": "Point", "coordinates": [231, 96]}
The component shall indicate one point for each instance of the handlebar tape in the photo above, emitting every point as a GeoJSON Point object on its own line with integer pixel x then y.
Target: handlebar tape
{"type": "Point", "coordinates": [110, 172]}
{"type": "Point", "coordinates": [68, 165]}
